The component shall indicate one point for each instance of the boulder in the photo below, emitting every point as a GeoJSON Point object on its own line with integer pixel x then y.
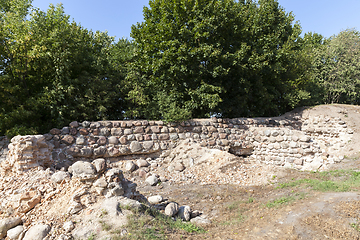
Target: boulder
{"type": "Point", "coordinates": [200, 221]}
{"type": "Point", "coordinates": [152, 180]}
{"type": "Point", "coordinates": [68, 226]}
{"type": "Point", "coordinates": [155, 199]}
{"type": "Point", "coordinates": [83, 170]}
{"type": "Point", "coordinates": [142, 163]}
{"type": "Point", "coordinates": [8, 223]}
{"type": "Point", "coordinates": [99, 164]}
{"type": "Point", "coordinates": [15, 232]}
{"type": "Point", "coordinates": [184, 213]}
{"type": "Point", "coordinates": [37, 232]}
{"type": "Point", "coordinates": [130, 166]}
{"type": "Point", "coordinates": [60, 176]}
{"type": "Point", "coordinates": [171, 209]}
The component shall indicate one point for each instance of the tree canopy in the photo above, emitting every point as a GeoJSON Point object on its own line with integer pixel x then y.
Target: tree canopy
{"type": "Point", "coordinates": [197, 58]}
{"type": "Point", "coordinates": [54, 71]}
{"type": "Point", "coordinates": [187, 59]}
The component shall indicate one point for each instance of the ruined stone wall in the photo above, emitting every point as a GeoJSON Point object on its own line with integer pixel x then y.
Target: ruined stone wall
{"type": "Point", "coordinates": [298, 143]}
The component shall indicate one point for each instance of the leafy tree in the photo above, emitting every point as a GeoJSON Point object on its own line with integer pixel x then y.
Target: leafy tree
{"type": "Point", "coordinates": [199, 57]}
{"type": "Point", "coordinates": [54, 71]}
{"type": "Point", "coordinates": [307, 89]}
{"type": "Point", "coordinates": [337, 70]}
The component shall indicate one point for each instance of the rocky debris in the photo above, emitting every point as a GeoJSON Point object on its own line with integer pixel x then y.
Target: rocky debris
{"type": "Point", "coordinates": [74, 208]}
{"type": "Point", "coordinates": [152, 180]}
{"type": "Point", "coordinates": [196, 153]}
{"type": "Point", "coordinates": [60, 176]}
{"type": "Point", "coordinates": [30, 204]}
{"type": "Point", "coordinates": [200, 221]}
{"type": "Point", "coordinates": [99, 164]}
{"type": "Point", "coordinates": [26, 152]}
{"type": "Point", "coordinates": [37, 232]}
{"type": "Point", "coordinates": [155, 199]}
{"type": "Point", "coordinates": [65, 201]}
{"type": "Point", "coordinates": [8, 223]}
{"type": "Point", "coordinates": [142, 163]}
{"type": "Point", "coordinates": [184, 213]}
{"type": "Point", "coordinates": [83, 170]}
{"type": "Point", "coordinates": [129, 203]}
{"type": "Point", "coordinates": [68, 226]}
{"type": "Point", "coordinates": [171, 209]}
{"type": "Point", "coordinates": [130, 166]}
{"type": "Point", "coordinates": [15, 232]}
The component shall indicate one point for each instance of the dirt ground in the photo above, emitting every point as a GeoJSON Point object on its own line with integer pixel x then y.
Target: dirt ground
{"type": "Point", "coordinates": [265, 211]}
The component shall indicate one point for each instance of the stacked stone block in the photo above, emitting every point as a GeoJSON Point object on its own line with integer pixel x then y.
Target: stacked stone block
{"type": "Point", "coordinates": [27, 152]}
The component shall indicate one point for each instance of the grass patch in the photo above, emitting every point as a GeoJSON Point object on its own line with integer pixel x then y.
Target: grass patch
{"type": "Point", "coordinates": [285, 200]}
{"type": "Point", "coordinates": [92, 237]}
{"type": "Point", "coordinates": [355, 226]}
{"type": "Point", "coordinates": [236, 204]}
{"type": "Point", "coordinates": [105, 226]}
{"type": "Point", "coordinates": [151, 224]}
{"type": "Point", "coordinates": [328, 181]}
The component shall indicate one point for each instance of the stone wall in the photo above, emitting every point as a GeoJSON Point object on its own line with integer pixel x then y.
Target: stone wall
{"type": "Point", "coordinates": [27, 152]}
{"type": "Point", "coordinates": [297, 143]}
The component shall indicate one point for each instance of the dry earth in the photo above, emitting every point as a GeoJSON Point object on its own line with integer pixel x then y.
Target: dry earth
{"type": "Point", "coordinates": [241, 198]}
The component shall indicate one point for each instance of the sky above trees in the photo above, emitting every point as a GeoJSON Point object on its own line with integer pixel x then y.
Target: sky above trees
{"type": "Point", "coordinates": [327, 17]}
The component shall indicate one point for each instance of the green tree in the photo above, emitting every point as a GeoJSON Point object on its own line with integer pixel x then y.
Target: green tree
{"type": "Point", "coordinates": [337, 70]}
{"type": "Point", "coordinates": [54, 71]}
{"type": "Point", "coordinates": [199, 57]}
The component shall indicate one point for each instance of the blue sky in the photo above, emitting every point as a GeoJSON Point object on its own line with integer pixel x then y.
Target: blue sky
{"type": "Point", "coordinates": [327, 17]}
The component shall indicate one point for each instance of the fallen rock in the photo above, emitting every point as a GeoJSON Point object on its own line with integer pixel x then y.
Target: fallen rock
{"type": "Point", "coordinates": [75, 207]}
{"type": "Point", "coordinates": [171, 209]}
{"type": "Point", "coordinates": [142, 163]}
{"type": "Point", "coordinates": [184, 213]}
{"type": "Point", "coordinates": [83, 170]}
{"type": "Point", "coordinates": [37, 232]}
{"type": "Point", "coordinates": [129, 203]}
{"type": "Point", "coordinates": [130, 166]}
{"type": "Point", "coordinates": [8, 223]}
{"type": "Point", "coordinates": [200, 221]}
{"type": "Point", "coordinates": [155, 199]}
{"type": "Point", "coordinates": [179, 167]}
{"type": "Point", "coordinates": [114, 174]}
{"type": "Point", "coordinates": [68, 226]}
{"type": "Point", "coordinates": [60, 176]}
{"type": "Point", "coordinates": [99, 164]}
{"type": "Point", "coordinates": [29, 204]}
{"type": "Point", "coordinates": [101, 183]}
{"type": "Point", "coordinates": [116, 189]}
{"type": "Point", "coordinates": [15, 232]}
{"type": "Point", "coordinates": [152, 180]}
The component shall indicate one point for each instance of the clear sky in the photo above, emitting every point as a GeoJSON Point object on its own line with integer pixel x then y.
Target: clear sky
{"type": "Point", "coordinates": [327, 17]}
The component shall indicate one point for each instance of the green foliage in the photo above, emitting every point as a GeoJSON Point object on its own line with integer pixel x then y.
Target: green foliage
{"type": "Point", "coordinates": [337, 68]}
{"type": "Point", "coordinates": [229, 58]}
{"type": "Point", "coordinates": [335, 181]}
{"type": "Point", "coordinates": [151, 224]}
{"type": "Point", "coordinates": [54, 71]}
{"type": "Point", "coordinates": [285, 200]}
